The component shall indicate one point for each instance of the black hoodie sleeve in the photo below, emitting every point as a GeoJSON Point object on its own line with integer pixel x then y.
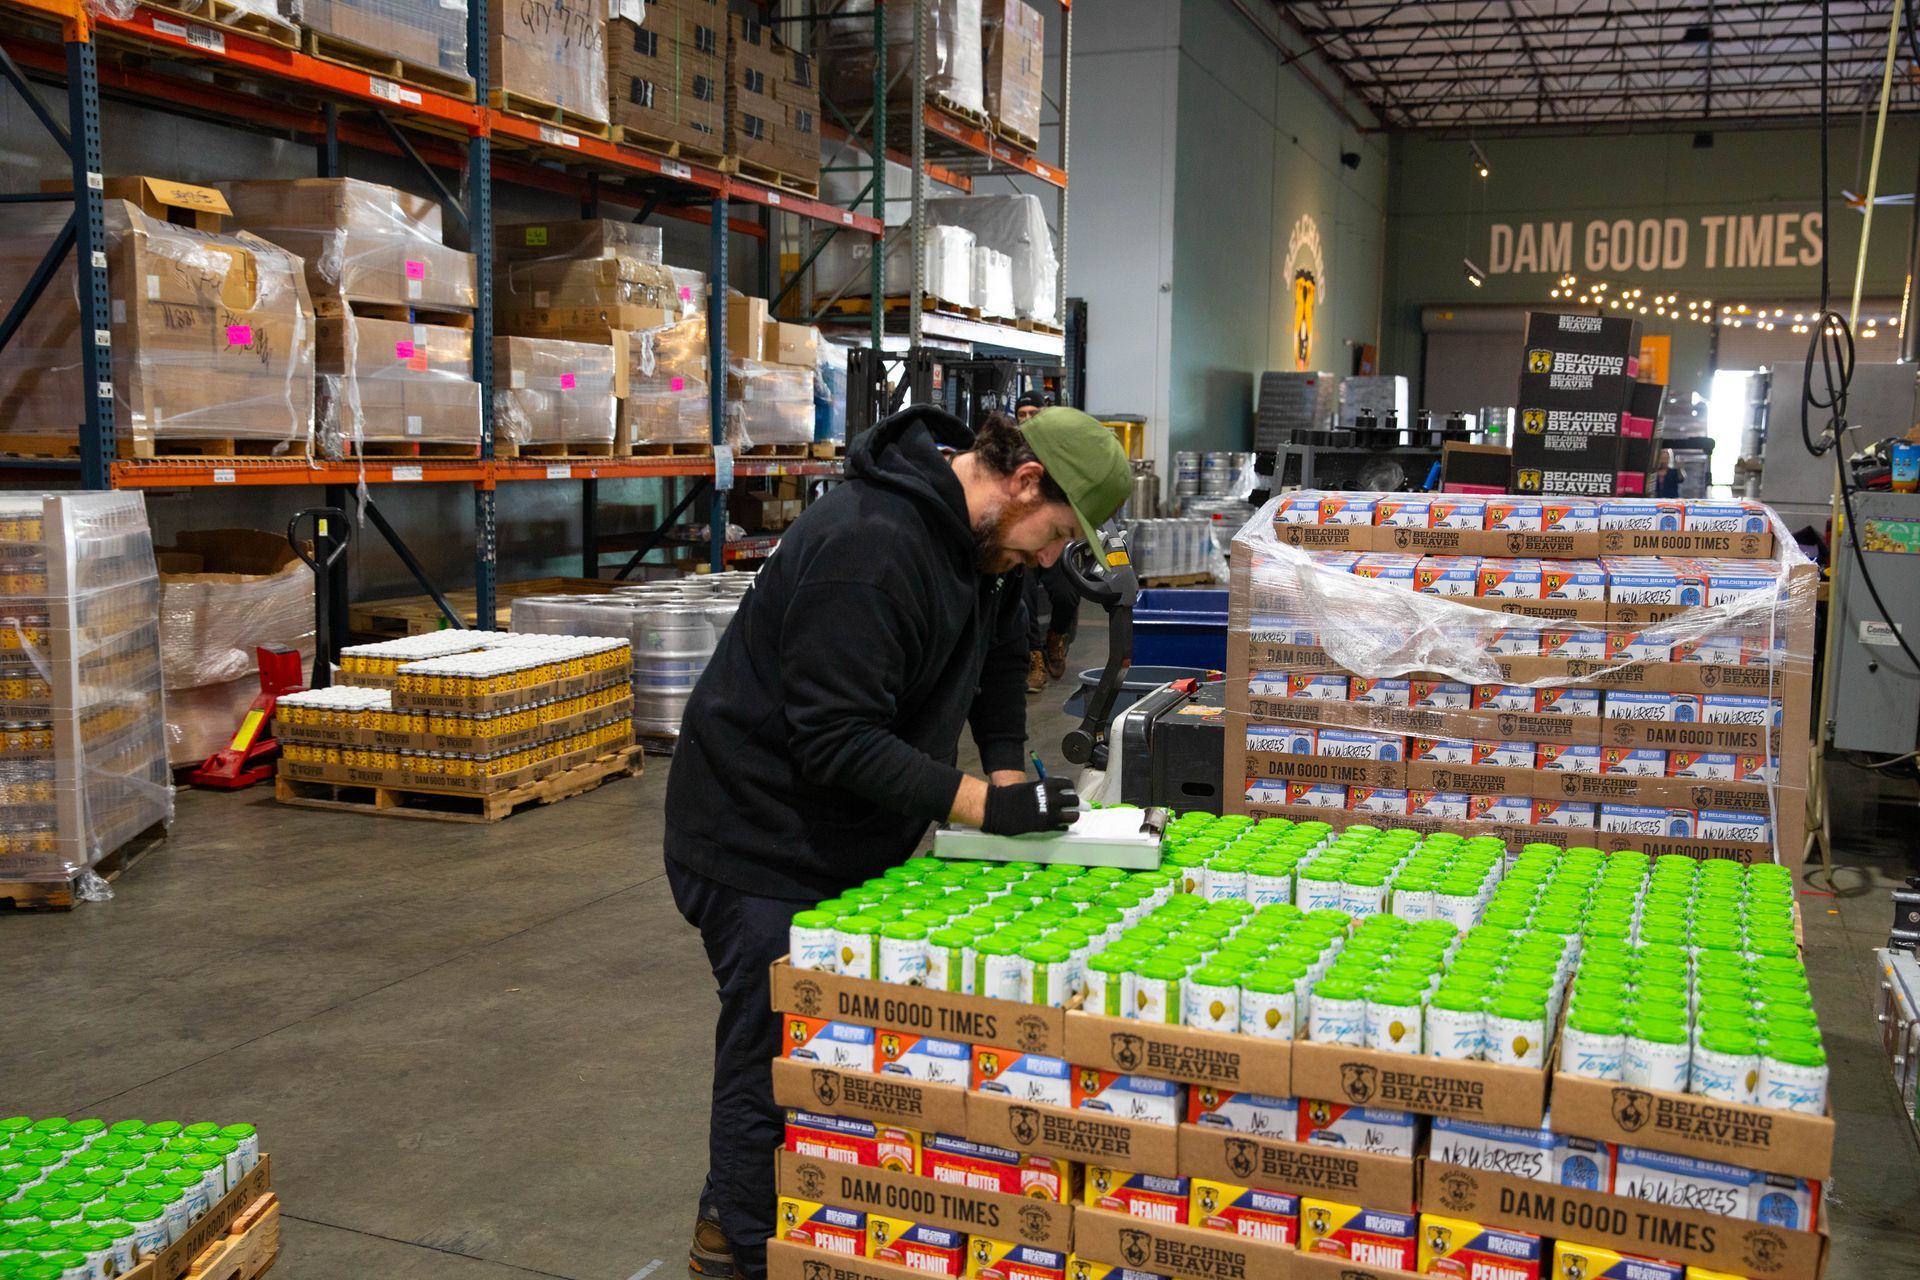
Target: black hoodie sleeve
{"type": "Point", "coordinates": [841, 699]}
{"type": "Point", "coordinates": [999, 713]}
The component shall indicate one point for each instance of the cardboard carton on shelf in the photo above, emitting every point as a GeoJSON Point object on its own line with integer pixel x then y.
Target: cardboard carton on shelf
{"type": "Point", "coordinates": [1016, 56]}
{"type": "Point", "coordinates": [430, 36]}
{"type": "Point", "coordinates": [551, 53]}
{"type": "Point", "coordinates": [550, 391]}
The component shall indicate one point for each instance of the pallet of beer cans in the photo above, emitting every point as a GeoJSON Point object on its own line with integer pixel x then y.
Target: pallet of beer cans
{"type": "Point", "coordinates": [1294, 1043]}
{"type": "Point", "coordinates": [1630, 673]}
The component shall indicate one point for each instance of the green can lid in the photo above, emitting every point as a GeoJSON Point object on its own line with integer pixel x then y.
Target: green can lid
{"type": "Point", "coordinates": [884, 912]}
{"type": "Point", "coordinates": [1729, 1039]}
{"type": "Point", "coordinates": [1799, 1051]}
{"type": "Point", "coordinates": [1216, 975]}
{"type": "Point", "coordinates": [859, 926]}
{"type": "Point", "coordinates": [950, 937]}
{"type": "Point", "coordinates": [1046, 952]}
{"type": "Point", "coordinates": [803, 920]}
{"type": "Point", "coordinates": [1649, 1025]}
{"type": "Point", "coordinates": [1337, 986]}
{"type": "Point", "coordinates": [997, 944]}
{"type": "Point", "coordinates": [903, 931]}
{"type": "Point", "coordinates": [1518, 1005]}
{"type": "Point", "coordinates": [929, 918]}
{"type": "Point", "coordinates": [1596, 1018]}
{"type": "Point", "coordinates": [1109, 961]}
{"type": "Point", "coordinates": [1162, 969]}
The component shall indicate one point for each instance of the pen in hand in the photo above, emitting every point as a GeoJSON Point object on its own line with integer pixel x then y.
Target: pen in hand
{"type": "Point", "coordinates": [1038, 768]}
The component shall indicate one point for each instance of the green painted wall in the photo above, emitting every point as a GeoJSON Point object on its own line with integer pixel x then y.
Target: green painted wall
{"type": "Point", "coordinates": [1258, 150]}
{"type": "Point", "coordinates": [1440, 211]}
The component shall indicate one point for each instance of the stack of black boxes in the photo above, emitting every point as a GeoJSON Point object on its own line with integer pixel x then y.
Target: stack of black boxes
{"type": "Point", "coordinates": [1576, 391]}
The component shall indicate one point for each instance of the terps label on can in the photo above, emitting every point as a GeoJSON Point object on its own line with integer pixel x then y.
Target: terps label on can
{"type": "Point", "coordinates": [1369, 1237]}
{"type": "Point", "coordinates": [1272, 1217]}
{"type": "Point", "coordinates": [1456, 1247]}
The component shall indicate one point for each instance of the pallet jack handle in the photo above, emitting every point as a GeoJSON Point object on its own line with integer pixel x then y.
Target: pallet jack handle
{"type": "Point", "coordinates": [1105, 576]}
{"type": "Point", "coordinates": [331, 533]}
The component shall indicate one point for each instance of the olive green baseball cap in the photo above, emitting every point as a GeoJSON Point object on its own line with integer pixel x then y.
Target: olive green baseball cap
{"type": "Point", "coordinates": [1085, 460]}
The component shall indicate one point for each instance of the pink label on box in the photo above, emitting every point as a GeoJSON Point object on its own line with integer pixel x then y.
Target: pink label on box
{"type": "Point", "coordinates": [566, 382]}
{"type": "Point", "coordinates": [403, 351]}
{"type": "Point", "coordinates": [678, 384]}
{"type": "Point", "coordinates": [416, 270]}
{"type": "Point", "coordinates": [239, 335]}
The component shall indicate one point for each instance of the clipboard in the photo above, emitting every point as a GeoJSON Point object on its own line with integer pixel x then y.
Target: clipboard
{"type": "Point", "coordinates": [1127, 838]}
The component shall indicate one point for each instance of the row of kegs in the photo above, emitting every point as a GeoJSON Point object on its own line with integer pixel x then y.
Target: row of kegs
{"type": "Point", "coordinates": [1211, 475]}
{"type": "Point", "coordinates": [1197, 542]}
{"type": "Point", "coordinates": [673, 626]}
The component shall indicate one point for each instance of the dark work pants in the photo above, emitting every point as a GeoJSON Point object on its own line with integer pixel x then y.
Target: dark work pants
{"type": "Point", "coordinates": [743, 935]}
{"type": "Point", "coordinates": [1050, 590]}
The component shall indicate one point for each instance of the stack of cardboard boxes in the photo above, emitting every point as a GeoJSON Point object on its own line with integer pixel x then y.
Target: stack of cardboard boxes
{"type": "Point", "coordinates": [549, 59]}
{"type": "Point", "coordinates": [395, 330]}
{"type": "Point", "coordinates": [952, 58]}
{"type": "Point", "coordinates": [666, 74]}
{"type": "Point", "coordinates": [1577, 419]}
{"type": "Point", "coordinates": [212, 332]}
{"type": "Point", "coordinates": [1016, 46]}
{"type": "Point", "coordinates": [1627, 674]}
{"type": "Point", "coordinates": [429, 35]}
{"type": "Point", "coordinates": [773, 105]}
{"type": "Point", "coordinates": [770, 376]}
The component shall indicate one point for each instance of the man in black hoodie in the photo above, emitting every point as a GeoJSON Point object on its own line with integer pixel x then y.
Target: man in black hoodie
{"type": "Point", "coordinates": [820, 741]}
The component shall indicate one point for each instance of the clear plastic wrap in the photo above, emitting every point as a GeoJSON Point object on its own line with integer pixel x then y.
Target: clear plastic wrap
{"type": "Point", "coordinates": [224, 593]}
{"type": "Point", "coordinates": [391, 382]}
{"type": "Point", "coordinates": [1628, 673]}
{"type": "Point", "coordinates": [547, 391]}
{"type": "Point", "coordinates": [948, 256]}
{"type": "Point", "coordinates": [1016, 40]}
{"type": "Point", "coordinates": [551, 53]}
{"type": "Point", "coordinates": [212, 337]}
{"type": "Point", "coordinates": [768, 403]}
{"type": "Point", "coordinates": [830, 392]}
{"type": "Point", "coordinates": [667, 400]}
{"type": "Point", "coordinates": [584, 298]}
{"type": "Point", "coordinates": [586, 238]}
{"type": "Point", "coordinates": [283, 13]}
{"type": "Point", "coordinates": [428, 33]}
{"type": "Point", "coordinates": [993, 283]}
{"type": "Point", "coordinates": [80, 678]}
{"type": "Point", "coordinates": [361, 242]}
{"type": "Point", "coordinates": [953, 62]}
{"type": "Point", "coordinates": [1015, 225]}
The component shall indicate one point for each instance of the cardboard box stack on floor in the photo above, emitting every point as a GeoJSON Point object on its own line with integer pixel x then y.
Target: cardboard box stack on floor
{"type": "Point", "coordinates": [1631, 673]}
{"type": "Point", "coordinates": [666, 75]}
{"type": "Point", "coordinates": [461, 711]}
{"type": "Point", "coordinates": [773, 103]}
{"type": "Point", "coordinates": [549, 59]}
{"type": "Point", "coordinates": [1223, 1076]}
{"type": "Point", "coordinates": [1016, 49]}
{"type": "Point", "coordinates": [395, 304]}
{"type": "Point", "coordinates": [427, 33]}
{"type": "Point", "coordinates": [85, 768]}
{"type": "Point", "coordinates": [1577, 422]}
{"type": "Point", "coordinates": [603, 283]}
{"type": "Point", "coordinates": [212, 330]}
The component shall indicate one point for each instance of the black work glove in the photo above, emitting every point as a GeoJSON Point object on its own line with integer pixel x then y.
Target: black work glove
{"type": "Point", "coordinates": [1049, 804]}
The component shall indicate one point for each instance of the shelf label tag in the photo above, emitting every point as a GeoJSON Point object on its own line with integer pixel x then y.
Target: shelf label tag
{"type": "Point", "coordinates": [846, 219]}
{"type": "Point", "coordinates": [206, 38]}
{"type": "Point", "coordinates": [558, 137]}
{"type": "Point", "coordinates": [103, 337]}
{"type": "Point", "coordinates": [723, 466]}
{"type": "Point", "coordinates": [1879, 633]}
{"type": "Point", "coordinates": [223, 475]}
{"type": "Point", "coordinates": [100, 259]}
{"type": "Point", "coordinates": [104, 391]}
{"type": "Point", "coordinates": [559, 471]}
{"type": "Point", "coordinates": [674, 169]}
{"type": "Point", "coordinates": [409, 473]}
{"type": "Point", "coordinates": [773, 197]}
{"type": "Point", "coordinates": [392, 92]}
{"type": "Point", "coordinates": [95, 182]}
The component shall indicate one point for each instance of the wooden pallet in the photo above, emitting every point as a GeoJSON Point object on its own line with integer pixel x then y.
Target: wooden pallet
{"type": "Point", "coordinates": [223, 15]}
{"type": "Point", "coordinates": [928, 302]}
{"type": "Point", "coordinates": [410, 449]}
{"type": "Point", "coordinates": [542, 112]}
{"type": "Point", "coordinates": [1034, 326]}
{"type": "Point", "coordinates": [795, 451]}
{"type": "Point", "coordinates": [1015, 138]}
{"type": "Point", "coordinates": [828, 450]}
{"type": "Point", "coordinates": [327, 308]}
{"type": "Point", "coordinates": [331, 48]}
{"type": "Point", "coordinates": [671, 148]}
{"type": "Point", "coordinates": [457, 806]}
{"type": "Point", "coordinates": [978, 119]}
{"type": "Point", "coordinates": [64, 895]}
{"type": "Point", "coordinates": [676, 449]}
{"type": "Point", "coordinates": [657, 744]}
{"type": "Point", "coordinates": [767, 176]}
{"type": "Point", "coordinates": [249, 1248]}
{"type": "Point", "coordinates": [558, 449]}
{"type": "Point", "coordinates": [125, 446]}
{"type": "Point", "coordinates": [1178, 580]}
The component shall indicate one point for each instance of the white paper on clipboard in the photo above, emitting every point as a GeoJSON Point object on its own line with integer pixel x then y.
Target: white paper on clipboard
{"type": "Point", "coordinates": [1128, 838]}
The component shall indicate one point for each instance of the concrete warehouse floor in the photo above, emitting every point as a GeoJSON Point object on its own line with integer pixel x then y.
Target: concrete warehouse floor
{"type": "Point", "coordinates": [480, 1052]}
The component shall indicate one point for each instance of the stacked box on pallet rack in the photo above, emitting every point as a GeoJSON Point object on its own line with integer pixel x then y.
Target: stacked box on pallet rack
{"type": "Point", "coordinates": [213, 332]}
{"type": "Point", "coordinates": [428, 33]}
{"type": "Point", "coordinates": [1016, 38]}
{"type": "Point", "coordinates": [1014, 225]}
{"type": "Point", "coordinates": [1631, 673]}
{"type": "Point", "coordinates": [549, 59]}
{"type": "Point", "coordinates": [773, 104]}
{"type": "Point", "coordinates": [395, 329]}
{"type": "Point", "coordinates": [80, 682]}
{"type": "Point", "coordinates": [952, 58]}
{"type": "Point", "coordinates": [844, 266]}
{"type": "Point", "coordinates": [666, 76]}
{"type": "Point", "coordinates": [548, 391]}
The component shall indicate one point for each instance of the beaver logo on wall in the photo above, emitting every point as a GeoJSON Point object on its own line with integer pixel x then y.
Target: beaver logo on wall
{"type": "Point", "coordinates": [1307, 278]}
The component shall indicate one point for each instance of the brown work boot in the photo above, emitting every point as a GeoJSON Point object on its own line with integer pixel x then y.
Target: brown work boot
{"type": "Point", "coordinates": [1056, 656]}
{"type": "Point", "coordinates": [712, 1254]}
{"type": "Point", "coordinates": [1036, 671]}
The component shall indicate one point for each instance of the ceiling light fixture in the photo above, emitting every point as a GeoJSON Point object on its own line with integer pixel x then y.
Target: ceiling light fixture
{"type": "Point", "coordinates": [1479, 160]}
{"type": "Point", "coordinates": [1475, 276]}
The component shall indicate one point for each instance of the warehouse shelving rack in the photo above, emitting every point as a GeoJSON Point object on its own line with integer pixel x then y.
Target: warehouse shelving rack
{"type": "Point", "coordinates": [941, 146]}
{"type": "Point", "coordinates": [176, 61]}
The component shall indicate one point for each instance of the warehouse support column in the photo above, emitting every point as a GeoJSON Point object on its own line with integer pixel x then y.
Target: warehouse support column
{"type": "Point", "coordinates": [90, 263]}
{"type": "Point", "coordinates": [480, 243]}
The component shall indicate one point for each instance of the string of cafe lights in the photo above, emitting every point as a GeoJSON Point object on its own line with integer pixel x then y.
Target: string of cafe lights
{"type": "Point", "coordinates": [1668, 306]}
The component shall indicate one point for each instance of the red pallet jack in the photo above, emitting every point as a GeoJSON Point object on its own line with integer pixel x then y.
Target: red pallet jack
{"type": "Point", "coordinates": [254, 751]}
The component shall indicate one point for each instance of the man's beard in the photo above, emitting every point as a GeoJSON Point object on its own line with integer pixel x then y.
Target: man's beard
{"type": "Point", "coordinates": [990, 534]}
